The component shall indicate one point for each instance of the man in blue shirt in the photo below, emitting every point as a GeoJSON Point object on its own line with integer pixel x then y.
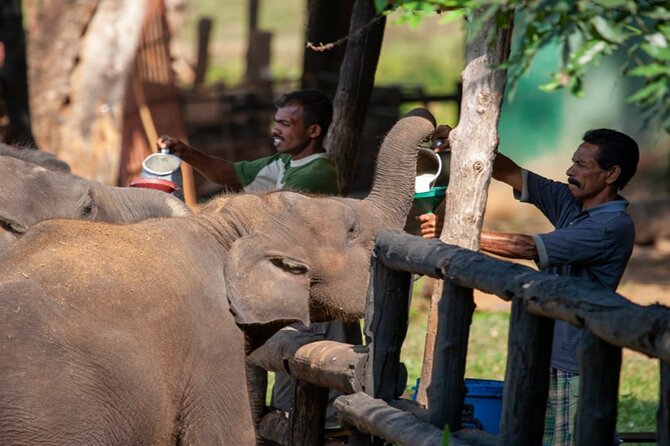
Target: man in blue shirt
{"type": "Point", "coordinates": [593, 239]}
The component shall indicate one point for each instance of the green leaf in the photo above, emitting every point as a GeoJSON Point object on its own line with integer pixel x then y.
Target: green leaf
{"type": "Point", "coordinates": [447, 434]}
{"type": "Point", "coordinates": [656, 52]}
{"type": "Point", "coordinates": [608, 30]}
{"type": "Point", "coordinates": [613, 3]}
{"type": "Point", "coordinates": [588, 52]}
{"type": "Point", "coordinates": [650, 91]}
{"type": "Point", "coordinates": [650, 70]}
{"type": "Point", "coordinates": [381, 5]}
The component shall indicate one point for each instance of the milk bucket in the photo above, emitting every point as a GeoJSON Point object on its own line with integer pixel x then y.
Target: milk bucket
{"type": "Point", "coordinates": [428, 168]}
{"type": "Point", "coordinates": [427, 197]}
{"type": "Point", "coordinates": [166, 167]}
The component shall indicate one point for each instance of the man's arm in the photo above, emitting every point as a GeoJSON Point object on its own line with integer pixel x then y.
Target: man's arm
{"type": "Point", "coordinates": [511, 246]}
{"type": "Point", "coordinates": [218, 170]}
{"type": "Point", "coordinates": [507, 171]}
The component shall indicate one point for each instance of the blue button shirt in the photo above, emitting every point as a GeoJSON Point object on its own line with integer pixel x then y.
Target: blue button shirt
{"type": "Point", "coordinates": [594, 244]}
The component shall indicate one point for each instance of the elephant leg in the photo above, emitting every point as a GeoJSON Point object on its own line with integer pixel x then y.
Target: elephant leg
{"type": "Point", "coordinates": [216, 408]}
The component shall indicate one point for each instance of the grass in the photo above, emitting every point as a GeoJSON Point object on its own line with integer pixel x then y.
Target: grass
{"type": "Point", "coordinates": [487, 352]}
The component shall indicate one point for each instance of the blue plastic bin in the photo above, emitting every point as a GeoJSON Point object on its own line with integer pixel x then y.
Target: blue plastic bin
{"type": "Point", "coordinates": [482, 404]}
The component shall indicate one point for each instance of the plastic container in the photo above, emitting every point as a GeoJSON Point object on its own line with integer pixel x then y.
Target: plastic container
{"type": "Point", "coordinates": [425, 202]}
{"type": "Point", "coordinates": [161, 171]}
{"type": "Point", "coordinates": [483, 404]}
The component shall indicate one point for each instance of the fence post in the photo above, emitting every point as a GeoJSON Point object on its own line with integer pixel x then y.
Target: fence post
{"type": "Point", "coordinates": [308, 414]}
{"type": "Point", "coordinates": [447, 388]}
{"type": "Point", "coordinates": [600, 365]}
{"type": "Point", "coordinates": [386, 321]}
{"type": "Point", "coordinates": [526, 378]}
{"type": "Point", "coordinates": [663, 417]}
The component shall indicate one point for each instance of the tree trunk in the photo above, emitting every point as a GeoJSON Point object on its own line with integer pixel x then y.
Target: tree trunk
{"type": "Point", "coordinates": [13, 73]}
{"type": "Point", "coordinates": [357, 76]}
{"type": "Point", "coordinates": [327, 21]}
{"type": "Point", "coordinates": [474, 143]}
{"type": "Point", "coordinates": [78, 80]}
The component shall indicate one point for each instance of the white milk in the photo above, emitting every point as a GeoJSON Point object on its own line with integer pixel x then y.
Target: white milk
{"type": "Point", "coordinates": [423, 182]}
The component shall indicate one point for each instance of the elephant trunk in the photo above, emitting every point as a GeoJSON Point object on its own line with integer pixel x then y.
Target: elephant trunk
{"type": "Point", "coordinates": [132, 205]}
{"type": "Point", "coordinates": [393, 188]}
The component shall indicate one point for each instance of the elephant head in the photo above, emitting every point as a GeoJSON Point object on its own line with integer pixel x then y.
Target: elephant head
{"type": "Point", "coordinates": [37, 186]}
{"type": "Point", "coordinates": [307, 258]}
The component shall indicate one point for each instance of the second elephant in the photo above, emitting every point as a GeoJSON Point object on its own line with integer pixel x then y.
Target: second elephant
{"type": "Point", "coordinates": [35, 186]}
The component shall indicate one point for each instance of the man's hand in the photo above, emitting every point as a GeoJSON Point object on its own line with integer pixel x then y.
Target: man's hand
{"type": "Point", "coordinates": [431, 225]}
{"type": "Point", "coordinates": [172, 144]}
{"type": "Point", "coordinates": [440, 138]}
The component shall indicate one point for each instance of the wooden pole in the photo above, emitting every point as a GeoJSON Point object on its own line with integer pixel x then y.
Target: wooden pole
{"type": "Point", "coordinates": [386, 320]}
{"type": "Point", "coordinates": [526, 378]}
{"type": "Point", "coordinates": [474, 143]}
{"type": "Point", "coordinates": [663, 416]}
{"type": "Point", "coordinates": [599, 364]}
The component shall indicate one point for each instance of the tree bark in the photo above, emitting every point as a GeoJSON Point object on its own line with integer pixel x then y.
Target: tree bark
{"type": "Point", "coordinates": [78, 80]}
{"type": "Point", "coordinates": [357, 76]}
{"type": "Point", "coordinates": [473, 143]}
{"type": "Point", "coordinates": [327, 22]}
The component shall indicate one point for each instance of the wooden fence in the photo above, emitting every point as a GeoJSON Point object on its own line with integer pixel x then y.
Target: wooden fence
{"type": "Point", "coordinates": [373, 378]}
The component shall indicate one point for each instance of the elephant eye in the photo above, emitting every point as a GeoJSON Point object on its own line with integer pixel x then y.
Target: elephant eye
{"type": "Point", "coordinates": [353, 227]}
{"type": "Point", "coordinates": [288, 265]}
{"type": "Point", "coordinates": [11, 226]}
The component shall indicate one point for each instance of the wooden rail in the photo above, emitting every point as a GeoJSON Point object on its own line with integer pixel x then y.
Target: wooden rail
{"type": "Point", "coordinates": [374, 378]}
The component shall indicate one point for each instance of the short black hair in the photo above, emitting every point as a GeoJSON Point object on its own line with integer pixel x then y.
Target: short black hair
{"type": "Point", "coordinates": [615, 149]}
{"type": "Point", "coordinates": [317, 107]}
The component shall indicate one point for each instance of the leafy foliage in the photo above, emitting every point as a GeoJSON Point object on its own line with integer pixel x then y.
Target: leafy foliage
{"type": "Point", "coordinates": [585, 30]}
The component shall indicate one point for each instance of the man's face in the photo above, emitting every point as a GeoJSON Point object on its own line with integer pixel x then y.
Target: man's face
{"type": "Point", "coordinates": [289, 133]}
{"type": "Point", "coordinates": [586, 179]}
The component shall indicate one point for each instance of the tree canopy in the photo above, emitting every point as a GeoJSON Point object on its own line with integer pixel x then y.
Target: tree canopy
{"type": "Point", "coordinates": [585, 31]}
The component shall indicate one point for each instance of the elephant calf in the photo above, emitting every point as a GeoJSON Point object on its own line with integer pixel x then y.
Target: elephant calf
{"type": "Point", "coordinates": [36, 186]}
{"type": "Point", "coordinates": [135, 334]}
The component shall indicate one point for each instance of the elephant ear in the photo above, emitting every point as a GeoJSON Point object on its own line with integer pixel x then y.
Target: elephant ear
{"type": "Point", "coordinates": [265, 288]}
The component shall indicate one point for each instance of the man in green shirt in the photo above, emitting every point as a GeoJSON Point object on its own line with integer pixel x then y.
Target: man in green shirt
{"type": "Point", "coordinates": [301, 163]}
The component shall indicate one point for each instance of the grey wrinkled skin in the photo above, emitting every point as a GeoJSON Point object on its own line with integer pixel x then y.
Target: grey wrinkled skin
{"type": "Point", "coordinates": [135, 334]}
{"type": "Point", "coordinates": [36, 186]}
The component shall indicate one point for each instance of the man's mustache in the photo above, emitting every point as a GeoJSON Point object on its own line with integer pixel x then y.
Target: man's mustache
{"type": "Point", "coordinates": [574, 182]}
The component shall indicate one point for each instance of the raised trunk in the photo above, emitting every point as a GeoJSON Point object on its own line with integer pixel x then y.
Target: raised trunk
{"type": "Point", "coordinates": [393, 188]}
{"type": "Point", "coordinates": [129, 205]}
